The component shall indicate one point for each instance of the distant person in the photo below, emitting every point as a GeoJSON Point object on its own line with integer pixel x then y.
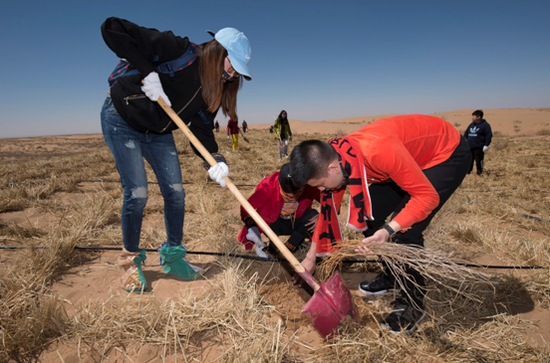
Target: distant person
{"type": "Point", "coordinates": [271, 129]}
{"type": "Point", "coordinates": [285, 208]}
{"type": "Point", "coordinates": [405, 167]}
{"type": "Point", "coordinates": [479, 136]}
{"type": "Point", "coordinates": [233, 132]}
{"type": "Point", "coordinates": [245, 126]}
{"type": "Point", "coordinates": [217, 126]}
{"type": "Point", "coordinates": [135, 128]}
{"type": "Point", "coordinates": [283, 134]}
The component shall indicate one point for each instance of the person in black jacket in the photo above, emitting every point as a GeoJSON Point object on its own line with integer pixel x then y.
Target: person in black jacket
{"type": "Point", "coordinates": [196, 80]}
{"type": "Point", "coordinates": [479, 136]}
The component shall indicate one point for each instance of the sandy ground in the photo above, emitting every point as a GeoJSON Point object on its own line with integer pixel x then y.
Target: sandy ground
{"type": "Point", "coordinates": [96, 278]}
{"type": "Point", "coordinates": [510, 122]}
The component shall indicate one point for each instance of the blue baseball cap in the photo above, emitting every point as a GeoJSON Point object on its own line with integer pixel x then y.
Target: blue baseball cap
{"type": "Point", "coordinates": [238, 49]}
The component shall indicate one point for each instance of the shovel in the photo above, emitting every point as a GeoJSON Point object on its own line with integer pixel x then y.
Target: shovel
{"type": "Point", "coordinates": [245, 139]}
{"type": "Point", "coordinates": [331, 302]}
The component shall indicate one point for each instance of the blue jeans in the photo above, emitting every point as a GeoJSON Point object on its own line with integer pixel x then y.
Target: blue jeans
{"type": "Point", "coordinates": [129, 147]}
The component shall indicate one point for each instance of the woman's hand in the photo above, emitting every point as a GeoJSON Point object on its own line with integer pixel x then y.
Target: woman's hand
{"type": "Point", "coordinates": [312, 223]}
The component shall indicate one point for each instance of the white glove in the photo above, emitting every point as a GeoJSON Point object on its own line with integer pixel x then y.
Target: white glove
{"type": "Point", "coordinates": [195, 268]}
{"type": "Point", "coordinates": [218, 172]}
{"type": "Point", "coordinates": [290, 138]}
{"type": "Point", "coordinates": [260, 250]}
{"type": "Point", "coordinates": [485, 148]}
{"type": "Point", "coordinates": [153, 89]}
{"type": "Point", "coordinates": [286, 142]}
{"type": "Point", "coordinates": [253, 235]}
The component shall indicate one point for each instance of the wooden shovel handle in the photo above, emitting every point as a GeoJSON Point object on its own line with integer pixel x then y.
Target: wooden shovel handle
{"type": "Point", "coordinates": [244, 202]}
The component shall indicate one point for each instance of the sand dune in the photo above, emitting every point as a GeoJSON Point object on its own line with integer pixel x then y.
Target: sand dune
{"type": "Point", "coordinates": [509, 122]}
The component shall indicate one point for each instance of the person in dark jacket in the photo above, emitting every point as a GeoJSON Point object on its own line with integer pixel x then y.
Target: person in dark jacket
{"type": "Point", "coordinates": [207, 79]}
{"type": "Point", "coordinates": [479, 136]}
{"type": "Point", "coordinates": [284, 207]}
{"type": "Point", "coordinates": [245, 126]}
{"type": "Point", "coordinates": [217, 126]}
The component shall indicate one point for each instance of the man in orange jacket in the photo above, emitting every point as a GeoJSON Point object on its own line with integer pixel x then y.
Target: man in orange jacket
{"type": "Point", "coordinates": [413, 164]}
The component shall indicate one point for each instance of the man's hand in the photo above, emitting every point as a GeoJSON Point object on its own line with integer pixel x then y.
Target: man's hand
{"type": "Point", "coordinates": [485, 148]}
{"type": "Point", "coordinates": [253, 235]}
{"type": "Point", "coordinates": [312, 223]}
{"type": "Point", "coordinates": [379, 236]}
{"type": "Point", "coordinates": [218, 172]}
{"type": "Point", "coordinates": [309, 264]}
{"type": "Point", "coordinates": [153, 88]}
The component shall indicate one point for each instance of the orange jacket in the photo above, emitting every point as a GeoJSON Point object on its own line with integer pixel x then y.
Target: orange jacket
{"type": "Point", "coordinates": [398, 149]}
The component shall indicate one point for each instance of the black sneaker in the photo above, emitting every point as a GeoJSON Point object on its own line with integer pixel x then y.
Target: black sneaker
{"type": "Point", "coordinates": [379, 285]}
{"type": "Point", "coordinates": [404, 318]}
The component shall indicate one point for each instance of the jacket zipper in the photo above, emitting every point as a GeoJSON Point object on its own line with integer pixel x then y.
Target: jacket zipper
{"type": "Point", "coordinates": [127, 99]}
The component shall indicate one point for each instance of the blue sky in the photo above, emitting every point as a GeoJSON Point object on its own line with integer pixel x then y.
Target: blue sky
{"type": "Point", "coordinates": [318, 60]}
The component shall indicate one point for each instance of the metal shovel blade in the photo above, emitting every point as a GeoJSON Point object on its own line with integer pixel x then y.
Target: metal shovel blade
{"type": "Point", "coordinates": [329, 306]}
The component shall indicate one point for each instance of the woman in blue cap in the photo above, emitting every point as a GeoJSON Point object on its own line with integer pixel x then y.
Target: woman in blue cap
{"type": "Point", "coordinates": [196, 80]}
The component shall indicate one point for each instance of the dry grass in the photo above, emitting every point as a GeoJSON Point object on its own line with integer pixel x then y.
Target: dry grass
{"type": "Point", "coordinates": [231, 318]}
{"type": "Point", "coordinates": [470, 318]}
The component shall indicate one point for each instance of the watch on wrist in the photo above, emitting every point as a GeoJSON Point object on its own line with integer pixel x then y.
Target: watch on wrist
{"type": "Point", "coordinates": [389, 229]}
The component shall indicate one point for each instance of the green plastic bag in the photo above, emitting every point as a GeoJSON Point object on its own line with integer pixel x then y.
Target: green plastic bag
{"type": "Point", "coordinates": [173, 263]}
{"type": "Point", "coordinates": [142, 281]}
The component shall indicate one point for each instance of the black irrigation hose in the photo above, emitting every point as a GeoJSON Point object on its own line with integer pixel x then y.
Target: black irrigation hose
{"type": "Point", "coordinates": [151, 250]}
{"type": "Point", "coordinates": [534, 218]}
{"type": "Point", "coordinates": [118, 181]}
{"type": "Point", "coordinates": [256, 258]}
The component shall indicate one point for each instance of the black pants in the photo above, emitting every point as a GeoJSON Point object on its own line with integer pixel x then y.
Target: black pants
{"type": "Point", "coordinates": [477, 156]}
{"type": "Point", "coordinates": [297, 232]}
{"type": "Point", "coordinates": [388, 198]}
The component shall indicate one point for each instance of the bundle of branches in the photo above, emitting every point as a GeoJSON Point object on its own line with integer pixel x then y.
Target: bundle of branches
{"type": "Point", "coordinates": [438, 269]}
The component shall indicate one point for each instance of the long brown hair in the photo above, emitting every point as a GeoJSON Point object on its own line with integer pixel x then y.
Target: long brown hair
{"type": "Point", "coordinates": [215, 93]}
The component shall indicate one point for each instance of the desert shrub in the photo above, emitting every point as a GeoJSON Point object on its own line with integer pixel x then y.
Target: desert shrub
{"type": "Point", "coordinates": [340, 132]}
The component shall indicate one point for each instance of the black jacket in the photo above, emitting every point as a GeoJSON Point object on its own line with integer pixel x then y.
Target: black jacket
{"type": "Point", "coordinates": [479, 135]}
{"type": "Point", "coordinates": [146, 48]}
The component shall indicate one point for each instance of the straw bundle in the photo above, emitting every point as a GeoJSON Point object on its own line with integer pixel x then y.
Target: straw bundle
{"type": "Point", "coordinates": [436, 267]}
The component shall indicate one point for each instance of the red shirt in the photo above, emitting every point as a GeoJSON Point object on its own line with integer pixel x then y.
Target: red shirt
{"type": "Point", "coordinates": [268, 202]}
{"type": "Point", "coordinates": [232, 127]}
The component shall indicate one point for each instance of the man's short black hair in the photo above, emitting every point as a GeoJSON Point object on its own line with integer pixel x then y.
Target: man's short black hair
{"type": "Point", "coordinates": [478, 113]}
{"type": "Point", "coordinates": [310, 160]}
